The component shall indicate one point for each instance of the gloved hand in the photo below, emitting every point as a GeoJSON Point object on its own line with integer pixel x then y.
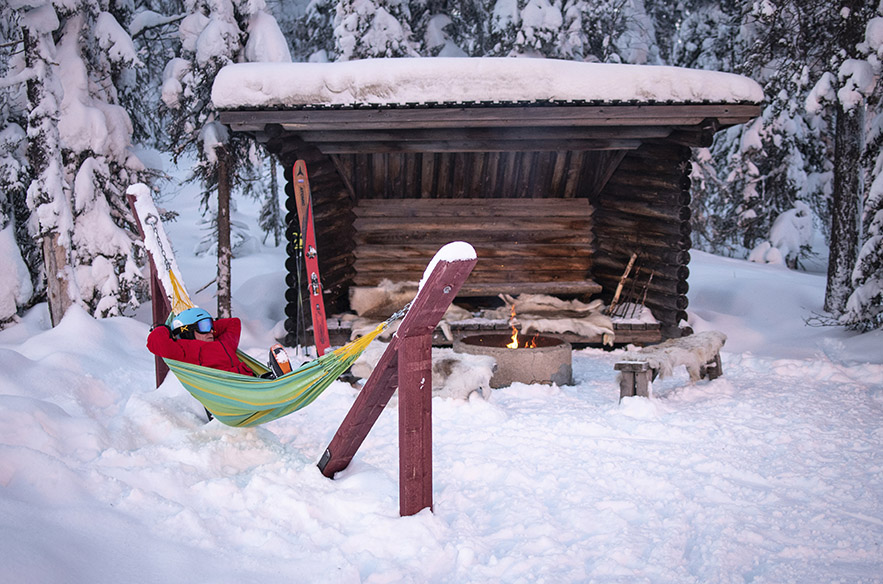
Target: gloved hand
{"type": "Point", "coordinates": [163, 325]}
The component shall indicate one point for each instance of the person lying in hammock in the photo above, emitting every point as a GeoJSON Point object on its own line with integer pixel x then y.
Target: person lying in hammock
{"type": "Point", "coordinates": [195, 337]}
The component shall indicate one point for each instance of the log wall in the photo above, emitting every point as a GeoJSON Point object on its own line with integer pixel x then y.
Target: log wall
{"type": "Point", "coordinates": [536, 245]}
{"type": "Point", "coordinates": [644, 209]}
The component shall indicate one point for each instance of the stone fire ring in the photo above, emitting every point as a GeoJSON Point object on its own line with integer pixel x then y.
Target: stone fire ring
{"type": "Point", "coordinates": [549, 362]}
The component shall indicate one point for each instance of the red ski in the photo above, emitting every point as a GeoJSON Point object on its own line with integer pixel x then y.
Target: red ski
{"type": "Point", "coordinates": [308, 239]}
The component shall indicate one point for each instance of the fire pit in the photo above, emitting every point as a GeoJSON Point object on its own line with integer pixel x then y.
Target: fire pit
{"type": "Point", "coordinates": [537, 359]}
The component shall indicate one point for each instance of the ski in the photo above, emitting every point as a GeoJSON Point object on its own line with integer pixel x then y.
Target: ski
{"type": "Point", "coordinates": [279, 362]}
{"type": "Point", "coordinates": [304, 203]}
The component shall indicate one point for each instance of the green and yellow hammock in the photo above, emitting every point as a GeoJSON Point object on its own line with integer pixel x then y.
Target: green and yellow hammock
{"type": "Point", "coordinates": [242, 401]}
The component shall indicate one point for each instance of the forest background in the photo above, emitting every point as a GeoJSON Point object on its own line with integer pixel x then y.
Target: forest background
{"type": "Point", "coordinates": [95, 94]}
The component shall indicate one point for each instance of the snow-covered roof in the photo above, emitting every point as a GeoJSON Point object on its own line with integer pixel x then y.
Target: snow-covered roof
{"type": "Point", "coordinates": [470, 80]}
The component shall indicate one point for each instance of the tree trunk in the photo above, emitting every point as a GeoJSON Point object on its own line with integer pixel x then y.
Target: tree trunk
{"type": "Point", "coordinates": [55, 265]}
{"type": "Point", "coordinates": [225, 253]}
{"type": "Point", "coordinates": [45, 158]}
{"type": "Point", "coordinates": [844, 208]}
{"type": "Point", "coordinates": [847, 195]}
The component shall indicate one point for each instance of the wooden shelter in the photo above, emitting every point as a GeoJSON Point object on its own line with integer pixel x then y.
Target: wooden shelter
{"type": "Point", "coordinates": [554, 194]}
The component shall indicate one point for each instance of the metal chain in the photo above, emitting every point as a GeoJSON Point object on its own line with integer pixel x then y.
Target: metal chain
{"type": "Point", "coordinates": [398, 314]}
{"type": "Point", "coordinates": [152, 220]}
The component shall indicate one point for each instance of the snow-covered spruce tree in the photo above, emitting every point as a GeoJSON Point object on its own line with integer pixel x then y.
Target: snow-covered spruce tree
{"type": "Point", "coordinates": [153, 28]}
{"type": "Point", "coordinates": [213, 34]}
{"type": "Point", "coordinates": [775, 166]}
{"type": "Point", "coordinates": [313, 33]}
{"type": "Point", "coordinates": [448, 28]}
{"type": "Point", "coordinates": [721, 182]}
{"type": "Point", "coordinates": [80, 158]}
{"type": "Point", "coordinates": [20, 257]}
{"type": "Point", "coordinates": [608, 31]}
{"type": "Point", "coordinates": [271, 219]}
{"type": "Point", "coordinates": [705, 35]}
{"type": "Point", "coordinates": [864, 308]}
{"type": "Point", "coordinates": [841, 92]}
{"type": "Point", "coordinates": [366, 29]}
{"type": "Point", "coordinates": [537, 29]}
{"type": "Point", "coordinates": [668, 17]}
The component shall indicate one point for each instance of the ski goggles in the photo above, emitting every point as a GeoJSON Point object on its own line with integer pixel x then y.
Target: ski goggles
{"type": "Point", "coordinates": [205, 325]}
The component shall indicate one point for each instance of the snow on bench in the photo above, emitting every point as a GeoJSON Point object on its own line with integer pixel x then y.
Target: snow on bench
{"type": "Point", "coordinates": [699, 353]}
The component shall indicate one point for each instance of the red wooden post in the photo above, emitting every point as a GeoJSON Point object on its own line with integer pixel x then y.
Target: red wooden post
{"type": "Point", "coordinates": [415, 424]}
{"type": "Point", "coordinates": [364, 412]}
{"type": "Point", "coordinates": [407, 362]}
{"type": "Point", "coordinates": [160, 304]}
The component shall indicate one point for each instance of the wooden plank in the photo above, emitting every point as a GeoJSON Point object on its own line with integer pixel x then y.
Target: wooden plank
{"type": "Point", "coordinates": [477, 288]}
{"type": "Point", "coordinates": [492, 174]}
{"type": "Point", "coordinates": [463, 224]}
{"type": "Point", "coordinates": [512, 264]}
{"type": "Point", "coordinates": [427, 176]}
{"type": "Point", "coordinates": [481, 146]}
{"type": "Point", "coordinates": [486, 251]}
{"type": "Point", "coordinates": [399, 237]}
{"type": "Point", "coordinates": [572, 182]}
{"type": "Point", "coordinates": [484, 134]}
{"type": "Point", "coordinates": [540, 282]}
{"type": "Point", "coordinates": [525, 116]}
{"type": "Point", "coordinates": [469, 206]}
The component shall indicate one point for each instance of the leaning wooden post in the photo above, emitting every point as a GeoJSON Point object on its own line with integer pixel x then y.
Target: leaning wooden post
{"type": "Point", "coordinates": [407, 363]}
{"type": "Point", "coordinates": [159, 300]}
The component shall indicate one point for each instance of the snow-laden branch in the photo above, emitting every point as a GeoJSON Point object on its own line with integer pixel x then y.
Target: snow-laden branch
{"type": "Point", "coordinates": [22, 76]}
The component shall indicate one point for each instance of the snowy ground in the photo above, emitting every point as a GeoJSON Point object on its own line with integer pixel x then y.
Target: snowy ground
{"type": "Point", "coordinates": [773, 473]}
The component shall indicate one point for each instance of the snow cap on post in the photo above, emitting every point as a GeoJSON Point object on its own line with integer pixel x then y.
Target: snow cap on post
{"type": "Point", "coordinates": [456, 251]}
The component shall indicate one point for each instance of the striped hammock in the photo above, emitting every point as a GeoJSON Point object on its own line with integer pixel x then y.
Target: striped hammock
{"type": "Point", "coordinates": [243, 401]}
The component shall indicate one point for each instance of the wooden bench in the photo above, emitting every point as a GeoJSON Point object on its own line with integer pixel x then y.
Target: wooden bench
{"type": "Point", "coordinates": [699, 353]}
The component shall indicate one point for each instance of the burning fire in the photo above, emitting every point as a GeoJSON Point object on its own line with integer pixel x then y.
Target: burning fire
{"type": "Point", "coordinates": [532, 344]}
{"type": "Point", "coordinates": [514, 343]}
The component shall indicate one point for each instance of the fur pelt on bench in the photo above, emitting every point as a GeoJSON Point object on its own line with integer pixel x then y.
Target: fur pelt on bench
{"type": "Point", "coordinates": [693, 351]}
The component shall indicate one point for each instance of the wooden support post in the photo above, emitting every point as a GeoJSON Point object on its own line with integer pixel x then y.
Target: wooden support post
{"type": "Point", "coordinates": [714, 368]}
{"type": "Point", "coordinates": [634, 378]}
{"type": "Point", "coordinates": [415, 424]}
{"type": "Point", "coordinates": [406, 363]}
{"type": "Point", "coordinates": [364, 412]}
{"type": "Point", "coordinates": [160, 304]}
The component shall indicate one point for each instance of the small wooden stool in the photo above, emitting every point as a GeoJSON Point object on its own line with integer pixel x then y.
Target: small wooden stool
{"type": "Point", "coordinates": [635, 378]}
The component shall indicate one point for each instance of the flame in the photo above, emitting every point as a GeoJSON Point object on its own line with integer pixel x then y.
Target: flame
{"type": "Point", "coordinates": [514, 343]}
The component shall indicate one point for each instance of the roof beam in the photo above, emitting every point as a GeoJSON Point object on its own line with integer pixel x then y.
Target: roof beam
{"type": "Point", "coordinates": [485, 134]}
{"type": "Point", "coordinates": [488, 116]}
{"type": "Point", "coordinates": [354, 147]}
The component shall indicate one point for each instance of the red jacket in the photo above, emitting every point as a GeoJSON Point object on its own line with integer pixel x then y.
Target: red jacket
{"type": "Point", "coordinates": [218, 354]}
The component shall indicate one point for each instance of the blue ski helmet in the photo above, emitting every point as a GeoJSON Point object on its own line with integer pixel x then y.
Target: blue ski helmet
{"type": "Point", "coordinates": [190, 321]}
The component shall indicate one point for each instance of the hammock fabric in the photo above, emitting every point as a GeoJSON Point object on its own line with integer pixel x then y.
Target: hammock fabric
{"type": "Point", "coordinates": [243, 401]}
